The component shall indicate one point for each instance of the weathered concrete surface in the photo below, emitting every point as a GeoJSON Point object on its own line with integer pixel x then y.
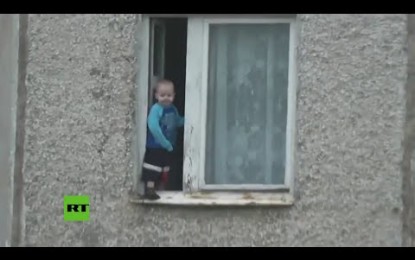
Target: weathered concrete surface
{"type": "Point", "coordinates": [352, 71]}
{"type": "Point", "coordinates": [9, 46]}
{"type": "Point", "coordinates": [408, 184]}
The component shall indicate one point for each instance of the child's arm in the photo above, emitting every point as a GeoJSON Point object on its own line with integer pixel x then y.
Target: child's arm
{"type": "Point", "coordinates": [179, 119]}
{"type": "Point", "coordinates": [154, 127]}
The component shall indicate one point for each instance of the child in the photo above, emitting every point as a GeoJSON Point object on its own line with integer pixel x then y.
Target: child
{"type": "Point", "coordinates": [163, 121]}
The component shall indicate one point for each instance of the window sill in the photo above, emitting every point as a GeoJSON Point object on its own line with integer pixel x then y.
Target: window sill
{"type": "Point", "coordinates": [218, 199]}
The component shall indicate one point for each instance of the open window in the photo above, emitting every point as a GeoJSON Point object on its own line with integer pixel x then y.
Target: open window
{"type": "Point", "coordinates": [168, 47]}
{"type": "Point", "coordinates": [235, 84]}
{"type": "Point", "coordinates": [157, 54]}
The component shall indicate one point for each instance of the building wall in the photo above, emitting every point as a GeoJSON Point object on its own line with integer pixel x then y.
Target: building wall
{"type": "Point", "coordinates": [408, 172]}
{"type": "Point", "coordinates": [350, 112]}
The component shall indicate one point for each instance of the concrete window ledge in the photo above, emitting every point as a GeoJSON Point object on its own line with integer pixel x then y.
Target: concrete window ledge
{"type": "Point", "coordinates": [218, 199]}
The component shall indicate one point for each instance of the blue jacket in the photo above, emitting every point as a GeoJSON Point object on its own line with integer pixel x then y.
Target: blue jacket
{"type": "Point", "coordinates": [162, 124]}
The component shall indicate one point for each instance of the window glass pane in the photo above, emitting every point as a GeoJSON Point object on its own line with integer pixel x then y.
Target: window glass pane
{"type": "Point", "coordinates": [247, 103]}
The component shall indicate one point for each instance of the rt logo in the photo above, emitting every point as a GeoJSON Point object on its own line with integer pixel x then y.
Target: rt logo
{"type": "Point", "coordinates": [76, 208]}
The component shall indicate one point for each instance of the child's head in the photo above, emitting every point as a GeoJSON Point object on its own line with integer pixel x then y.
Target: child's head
{"type": "Point", "coordinates": [164, 92]}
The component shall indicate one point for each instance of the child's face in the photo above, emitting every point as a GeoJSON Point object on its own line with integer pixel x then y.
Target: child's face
{"type": "Point", "coordinates": [165, 94]}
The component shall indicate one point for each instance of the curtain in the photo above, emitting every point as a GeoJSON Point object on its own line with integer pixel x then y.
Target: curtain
{"type": "Point", "coordinates": [247, 103]}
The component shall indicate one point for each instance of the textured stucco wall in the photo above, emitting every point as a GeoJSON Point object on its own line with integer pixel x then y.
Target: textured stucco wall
{"type": "Point", "coordinates": [408, 162]}
{"type": "Point", "coordinates": [352, 71]}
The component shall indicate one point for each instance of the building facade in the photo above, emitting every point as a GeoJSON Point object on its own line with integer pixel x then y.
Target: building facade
{"type": "Point", "coordinates": [314, 104]}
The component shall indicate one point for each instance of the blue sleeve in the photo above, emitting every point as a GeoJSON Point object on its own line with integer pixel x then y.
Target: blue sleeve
{"type": "Point", "coordinates": [154, 127]}
{"type": "Point", "coordinates": [179, 119]}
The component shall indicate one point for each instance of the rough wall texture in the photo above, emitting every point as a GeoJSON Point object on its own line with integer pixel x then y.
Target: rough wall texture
{"type": "Point", "coordinates": [408, 184]}
{"type": "Point", "coordinates": [352, 70]}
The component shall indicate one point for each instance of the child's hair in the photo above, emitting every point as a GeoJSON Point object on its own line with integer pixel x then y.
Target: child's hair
{"type": "Point", "coordinates": [161, 82]}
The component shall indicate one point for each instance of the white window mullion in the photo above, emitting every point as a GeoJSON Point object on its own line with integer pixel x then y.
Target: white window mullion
{"type": "Point", "coordinates": [141, 92]}
{"type": "Point", "coordinates": [292, 100]}
{"type": "Point", "coordinates": [195, 110]}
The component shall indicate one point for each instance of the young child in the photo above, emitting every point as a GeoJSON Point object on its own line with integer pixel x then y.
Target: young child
{"type": "Point", "coordinates": [163, 121]}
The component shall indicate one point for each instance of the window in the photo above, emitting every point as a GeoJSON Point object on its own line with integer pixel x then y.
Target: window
{"type": "Point", "coordinates": [238, 97]}
{"type": "Point", "coordinates": [157, 65]}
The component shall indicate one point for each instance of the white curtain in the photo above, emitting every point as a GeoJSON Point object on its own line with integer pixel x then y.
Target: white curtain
{"type": "Point", "coordinates": [247, 103]}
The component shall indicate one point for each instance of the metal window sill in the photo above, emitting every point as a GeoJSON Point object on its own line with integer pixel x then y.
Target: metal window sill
{"type": "Point", "coordinates": [218, 199]}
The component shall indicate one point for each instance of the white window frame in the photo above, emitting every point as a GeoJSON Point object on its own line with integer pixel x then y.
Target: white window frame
{"type": "Point", "coordinates": [195, 192]}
